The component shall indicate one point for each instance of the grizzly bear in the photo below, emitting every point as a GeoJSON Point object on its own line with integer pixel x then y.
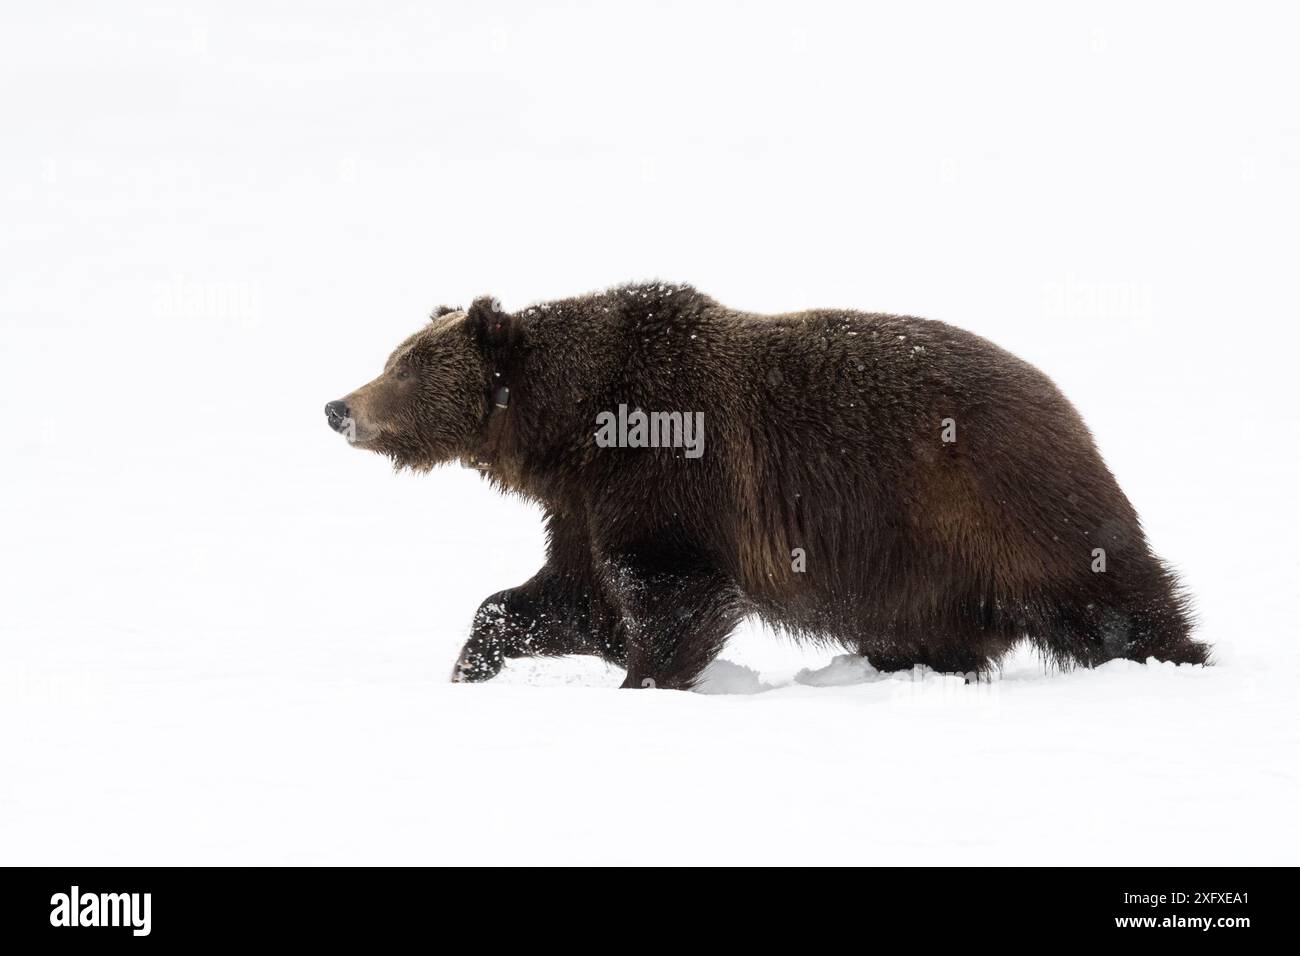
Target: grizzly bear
{"type": "Point", "coordinates": [891, 484]}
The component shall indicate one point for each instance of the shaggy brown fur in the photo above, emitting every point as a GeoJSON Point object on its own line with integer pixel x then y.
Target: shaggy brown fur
{"type": "Point", "coordinates": [824, 431]}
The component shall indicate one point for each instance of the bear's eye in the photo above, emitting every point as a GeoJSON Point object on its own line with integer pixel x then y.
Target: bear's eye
{"type": "Point", "coordinates": [402, 372]}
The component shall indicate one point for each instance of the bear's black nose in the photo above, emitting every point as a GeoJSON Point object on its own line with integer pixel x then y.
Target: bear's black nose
{"type": "Point", "coordinates": [336, 413]}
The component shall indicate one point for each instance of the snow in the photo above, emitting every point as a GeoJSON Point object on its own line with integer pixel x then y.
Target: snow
{"type": "Point", "coordinates": [844, 669]}
{"type": "Point", "coordinates": [225, 636]}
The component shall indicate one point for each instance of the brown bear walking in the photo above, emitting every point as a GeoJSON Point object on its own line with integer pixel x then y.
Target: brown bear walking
{"type": "Point", "coordinates": [892, 484]}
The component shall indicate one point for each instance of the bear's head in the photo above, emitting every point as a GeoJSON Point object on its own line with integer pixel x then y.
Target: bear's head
{"type": "Point", "coordinates": [432, 401]}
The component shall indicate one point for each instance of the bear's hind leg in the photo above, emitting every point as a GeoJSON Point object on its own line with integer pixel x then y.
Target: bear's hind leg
{"type": "Point", "coordinates": [1135, 614]}
{"type": "Point", "coordinates": [965, 641]}
{"type": "Point", "coordinates": [1159, 620]}
{"type": "Point", "coordinates": [886, 662]}
{"type": "Point", "coordinates": [946, 660]}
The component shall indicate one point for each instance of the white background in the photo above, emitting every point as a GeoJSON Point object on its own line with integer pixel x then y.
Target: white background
{"type": "Point", "coordinates": [226, 635]}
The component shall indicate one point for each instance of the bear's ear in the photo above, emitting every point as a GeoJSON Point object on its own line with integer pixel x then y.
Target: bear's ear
{"type": "Point", "coordinates": [442, 310]}
{"type": "Point", "coordinates": [492, 329]}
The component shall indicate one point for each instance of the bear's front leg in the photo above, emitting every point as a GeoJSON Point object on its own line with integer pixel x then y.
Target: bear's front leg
{"type": "Point", "coordinates": [548, 616]}
{"type": "Point", "coordinates": [672, 618]}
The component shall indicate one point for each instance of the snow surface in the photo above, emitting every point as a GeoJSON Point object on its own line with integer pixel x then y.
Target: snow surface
{"type": "Point", "coordinates": [226, 635]}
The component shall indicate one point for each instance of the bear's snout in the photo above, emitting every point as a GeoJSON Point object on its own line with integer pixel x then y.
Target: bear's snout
{"type": "Point", "coordinates": [338, 415]}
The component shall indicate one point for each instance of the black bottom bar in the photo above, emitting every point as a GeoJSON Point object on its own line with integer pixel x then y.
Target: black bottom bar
{"type": "Point", "coordinates": [378, 906]}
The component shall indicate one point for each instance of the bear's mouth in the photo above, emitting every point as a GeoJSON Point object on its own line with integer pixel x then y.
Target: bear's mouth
{"type": "Point", "coordinates": [358, 437]}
